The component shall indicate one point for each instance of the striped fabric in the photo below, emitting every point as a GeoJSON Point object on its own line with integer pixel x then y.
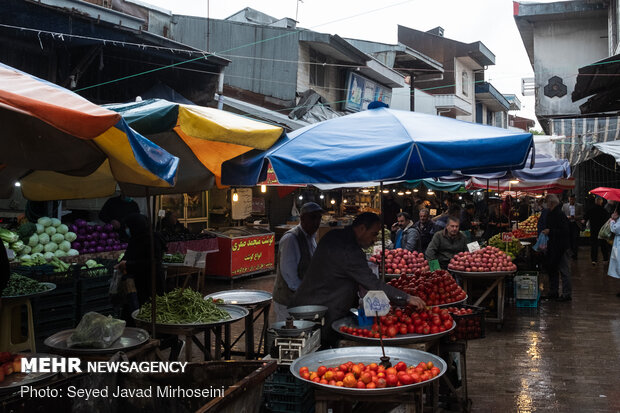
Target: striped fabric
{"type": "Point", "coordinates": [581, 134]}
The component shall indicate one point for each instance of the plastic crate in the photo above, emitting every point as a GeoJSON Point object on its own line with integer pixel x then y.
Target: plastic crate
{"type": "Point", "coordinates": [290, 404]}
{"type": "Point", "coordinates": [469, 326]}
{"type": "Point", "coordinates": [531, 303]}
{"type": "Point", "coordinates": [526, 285]}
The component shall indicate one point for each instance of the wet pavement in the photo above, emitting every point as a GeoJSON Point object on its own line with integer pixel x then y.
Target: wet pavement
{"type": "Point", "coordinates": [559, 357]}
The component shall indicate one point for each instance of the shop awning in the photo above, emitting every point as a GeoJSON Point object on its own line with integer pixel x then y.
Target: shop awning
{"type": "Point", "coordinates": [51, 134]}
{"type": "Point", "coordinates": [610, 148]}
{"type": "Point", "coordinates": [602, 80]}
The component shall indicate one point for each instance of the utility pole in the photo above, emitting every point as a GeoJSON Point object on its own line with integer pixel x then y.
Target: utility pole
{"type": "Point", "coordinates": [297, 9]}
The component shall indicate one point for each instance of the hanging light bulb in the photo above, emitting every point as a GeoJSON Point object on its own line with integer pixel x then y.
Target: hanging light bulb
{"type": "Point", "coordinates": [385, 191]}
{"type": "Point", "coordinates": [460, 197]}
{"type": "Point", "coordinates": [365, 191]}
{"type": "Point", "coordinates": [345, 201]}
{"type": "Point", "coordinates": [301, 197]}
{"type": "Point", "coordinates": [416, 190]}
{"type": "Point", "coordinates": [18, 184]}
{"type": "Point", "coordinates": [235, 196]}
{"type": "Point", "coordinates": [333, 201]}
{"type": "Point", "coordinates": [430, 193]}
{"type": "Point", "coordinates": [322, 196]}
{"type": "Point", "coordinates": [393, 190]}
{"type": "Point", "coordinates": [401, 193]}
{"type": "Point", "coordinates": [263, 188]}
{"type": "Point", "coordinates": [514, 181]}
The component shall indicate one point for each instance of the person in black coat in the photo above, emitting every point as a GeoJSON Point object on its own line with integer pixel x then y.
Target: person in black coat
{"type": "Point", "coordinates": [136, 263]}
{"type": "Point", "coordinates": [598, 216]}
{"type": "Point", "coordinates": [558, 250]}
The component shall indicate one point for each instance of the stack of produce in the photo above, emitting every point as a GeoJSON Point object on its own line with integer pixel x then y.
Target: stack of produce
{"type": "Point", "coordinates": [408, 321]}
{"type": "Point", "coordinates": [9, 363]}
{"type": "Point", "coordinates": [174, 258]}
{"type": "Point", "coordinates": [371, 376]}
{"type": "Point", "coordinates": [511, 248]}
{"type": "Point", "coordinates": [48, 238]}
{"type": "Point", "coordinates": [95, 238]}
{"type": "Point", "coordinates": [402, 261]}
{"type": "Point", "coordinates": [92, 268]}
{"type": "Point", "coordinates": [469, 323]}
{"type": "Point", "coordinates": [20, 285]}
{"type": "Point", "coordinates": [183, 306]}
{"type": "Point", "coordinates": [435, 288]}
{"type": "Point", "coordinates": [520, 234]}
{"type": "Point", "coordinates": [530, 225]}
{"type": "Point", "coordinates": [487, 259]}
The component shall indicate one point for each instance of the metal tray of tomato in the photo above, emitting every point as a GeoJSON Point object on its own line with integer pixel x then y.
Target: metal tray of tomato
{"type": "Point", "coordinates": [452, 303]}
{"type": "Point", "coordinates": [482, 274]}
{"type": "Point", "coordinates": [351, 321]}
{"type": "Point", "coordinates": [366, 355]}
{"type": "Point", "coordinates": [14, 381]}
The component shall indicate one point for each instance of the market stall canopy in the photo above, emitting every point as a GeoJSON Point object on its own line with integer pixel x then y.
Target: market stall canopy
{"type": "Point", "coordinates": [610, 148]}
{"type": "Point", "coordinates": [437, 185]}
{"type": "Point", "coordinates": [382, 144]}
{"type": "Point", "coordinates": [201, 137]}
{"type": "Point", "coordinates": [59, 145]}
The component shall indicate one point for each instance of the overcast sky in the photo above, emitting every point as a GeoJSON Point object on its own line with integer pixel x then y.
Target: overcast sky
{"type": "Point", "coordinates": [489, 21]}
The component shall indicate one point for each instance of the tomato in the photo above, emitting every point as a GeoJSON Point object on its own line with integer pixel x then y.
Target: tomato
{"type": "Point", "coordinates": [321, 371]}
{"type": "Point", "coordinates": [381, 383]}
{"type": "Point", "coordinates": [366, 378]}
{"type": "Point", "coordinates": [400, 366]}
{"type": "Point", "coordinates": [403, 329]}
{"type": "Point", "coordinates": [391, 380]}
{"type": "Point", "coordinates": [305, 375]}
{"type": "Point", "coordinates": [329, 375]}
{"type": "Point", "coordinates": [323, 381]}
{"type": "Point", "coordinates": [406, 379]}
{"type": "Point", "coordinates": [303, 369]}
{"type": "Point", "coordinates": [371, 385]}
{"type": "Point", "coordinates": [349, 381]}
{"type": "Point", "coordinates": [391, 332]}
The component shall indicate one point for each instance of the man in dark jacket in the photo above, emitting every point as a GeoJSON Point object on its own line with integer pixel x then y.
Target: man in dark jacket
{"type": "Point", "coordinates": [558, 250]}
{"type": "Point", "coordinates": [597, 215]}
{"type": "Point", "coordinates": [339, 268]}
{"type": "Point", "coordinates": [447, 243]}
{"type": "Point", "coordinates": [425, 228]}
{"type": "Point", "coordinates": [403, 233]}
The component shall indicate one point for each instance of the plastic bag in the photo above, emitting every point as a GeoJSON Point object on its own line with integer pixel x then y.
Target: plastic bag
{"type": "Point", "coordinates": [541, 243]}
{"type": "Point", "coordinates": [96, 331]}
{"type": "Point", "coordinates": [605, 232]}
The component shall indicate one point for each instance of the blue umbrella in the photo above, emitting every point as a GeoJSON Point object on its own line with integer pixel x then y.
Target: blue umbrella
{"type": "Point", "coordinates": [382, 144]}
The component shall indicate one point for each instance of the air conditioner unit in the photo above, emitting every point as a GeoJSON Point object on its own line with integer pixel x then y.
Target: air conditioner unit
{"type": "Point", "coordinates": [528, 86]}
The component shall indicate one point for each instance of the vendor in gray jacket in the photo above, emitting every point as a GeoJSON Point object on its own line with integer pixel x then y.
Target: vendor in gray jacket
{"type": "Point", "coordinates": [404, 234]}
{"type": "Point", "coordinates": [446, 243]}
{"type": "Point", "coordinates": [339, 268]}
{"type": "Point", "coordinates": [295, 251]}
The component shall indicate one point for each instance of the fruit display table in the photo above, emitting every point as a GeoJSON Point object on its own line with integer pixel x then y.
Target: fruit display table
{"type": "Point", "coordinates": [497, 279]}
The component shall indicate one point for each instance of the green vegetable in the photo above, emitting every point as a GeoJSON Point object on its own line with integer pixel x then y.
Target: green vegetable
{"type": "Point", "coordinates": [33, 240]}
{"type": "Point", "coordinates": [59, 253]}
{"type": "Point", "coordinates": [51, 247]}
{"type": "Point", "coordinates": [55, 222]}
{"type": "Point", "coordinates": [8, 236]}
{"type": "Point", "coordinates": [183, 307]}
{"type": "Point", "coordinates": [20, 285]}
{"type": "Point", "coordinates": [26, 250]}
{"type": "Point", "coordinates": [64, 245]}
{"type": "Point", "coordinates": [72, 253]}
{"type": "Point", "coordinates": [40, 229]}
{"type": "Point", "coordinates": [45, 221]}
{"type": "Point", "coordinates": [44, 239]}
{"type": "Point", "coordinates": [25, 230]}
{"type": "Point", "coordinates": [70, 236]}
{"type": "Point", "coordinates": [61, 266]}
{"type": "Point", "coordinates": [177, 257]}
{"type": "Point", "coordinates": [48, 255]}
{"type": "Point", "coordinates": [38, 249]}
{"type": "Point", "coordinates": [50, 231]}
{"type": "Point", "coordinates": [62, 229]}
{"type": "Point", "coordinates": [17, 246]}
{"type": "Point", "coordinates": [91, 263]}
{"type": "Point", "coordinates": [57, 238]}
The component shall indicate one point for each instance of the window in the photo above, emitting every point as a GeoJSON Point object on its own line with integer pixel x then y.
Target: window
{"type": "Point", "coordinates": [465, 83]}
{"type": "Point", "coordinates": [317, 71]}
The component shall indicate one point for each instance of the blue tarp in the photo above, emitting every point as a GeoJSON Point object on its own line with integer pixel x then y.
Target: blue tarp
{"type": "Point", "coordinates": [546, 168]}
{"type": "Point", "coordinates": [381, 145]}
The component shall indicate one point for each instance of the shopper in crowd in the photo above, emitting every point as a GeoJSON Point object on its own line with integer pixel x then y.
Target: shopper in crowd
{"type": "Point", "coordinates": [170, 224]}
{"type": "Point", "coordinates": [338, 270]}
{"type": "Point", "coordinates": [558, 250]}
{"type": "Point", "coordinates": [453, 211]}
{"type": "Point", "coordinates": [425, 229]}
{"type": "Point", "coordinates": [390, 209]}
{"type": "Point", "coordinates": [497, 221]}
{"type": "Point", "coordinates": [137, 264]}
{"type": "Point", "coordinates": [597, 216]}
{"type": "Point", "coordinates": [295, 252]}
{"type": "Point", "coordinates": [574, 213]}
{"type": "Point", "coordinates": [614, 262]}
{"type": "Point", "coordinates": [446, 243]}
{"type": "Point", "coordinates": [403, 233]}
{"type": "Point", "coordinates": [116, 210]}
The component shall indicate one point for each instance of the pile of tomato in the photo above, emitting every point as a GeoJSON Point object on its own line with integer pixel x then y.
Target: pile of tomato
{"type": "Point", "coordinates": [9, 363]}
{"type": "Point", "coordinates": [408, 321]}
{"type": "Point", "coordinates": [371, 376]}
{"type": "Point", "coordinates": [435, 288]}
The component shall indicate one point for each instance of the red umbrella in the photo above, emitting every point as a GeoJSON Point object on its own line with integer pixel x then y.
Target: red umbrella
{"type": "Point", "coordinates": [610, 194]}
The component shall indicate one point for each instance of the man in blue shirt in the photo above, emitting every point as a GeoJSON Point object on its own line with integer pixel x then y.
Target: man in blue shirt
{"type": "Point", "coordinates": [295, 251]}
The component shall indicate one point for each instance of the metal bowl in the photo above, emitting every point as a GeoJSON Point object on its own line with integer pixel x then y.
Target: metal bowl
{"type": "Point", "coordinates": [482, 274]}
{"type": "Point", "coordinates": [308, 312]}
{"type": "Point", "coordinates": [301, 327]}
{"type": "Point", "coordinates": [351, 321]}
{"type": "Point", "coordinates": [335, 357]}
{"type": "Point", "coordinates": [242, 297]}
{"type": "Point", "coordinates": [132, 337]}
{"type": "Point", "coordinates": [13, 382]}
{"type": "Point", "coordinates": [50, 287]}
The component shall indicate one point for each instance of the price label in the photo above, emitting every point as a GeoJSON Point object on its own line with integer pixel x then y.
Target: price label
{"type": "Point", "coordinates": [10, 254]}
{"type": "Point", "coordinates": [433, 212]}
{"type": "Point", "coordinates": [473, 246]}
{"type": "Point", "coordinates": [195, 259]}
{"type": "Point", "coordinates": [376, 303]}
{"type": "Point", "coordinates": [434, 265]}
{"type": "Point", "coordinates": [507, 237]}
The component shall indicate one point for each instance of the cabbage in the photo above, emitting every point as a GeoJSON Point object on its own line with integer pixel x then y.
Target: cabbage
{"type": "Point", "coordinates": [55, 222]}
{"type": "Point", "coordinates": [45, 221]}
{"type": "Point", "coordinates": [91, 263]}
{"type": "Point", "coordinates": [37, 249]}
{"type": "Point", "coordinates": [62, 229]}
{"type": "Point", "coordinates": [27, 250]}
{"type": "Point", "coordinates": [36, 255]}
{"type": "Point", "coordinates": [49, 255]}
{"type": "Point", "coordinates": [58, 238]}
{"type": "Point", "coordinates": [64, 245]}
{"type": "Point", "coordinates": [59, 253]}
{"type": "Point", "coordinates": [33, 241]}
{"type": "Point", "coordinates": [70, 236]}
{"type": "Point", "coordinates": [50, 231]}
{"type": "Point", "coordinates": [40, 229]}
{"type": "Point", "coordinates": [25, 257]}
{"type": "Point", "coordinates": [51, 247]}
{"type": "Point", "coordinates": [72, 253]}
{"type": "Point", "coordinates": [44, 238]}
{"type": "Point", "coordinates": [17, 246]}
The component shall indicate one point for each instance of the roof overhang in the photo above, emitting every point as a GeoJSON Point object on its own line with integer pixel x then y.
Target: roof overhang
{"type": "Point", "coordinates": [454, 103]}
{"type": "Point", "coordinates": [375, 70]}
{"type": "Point", "coordinates": [513, 100]}
{"type": "Point", "coordinates": [526, 14]}
{"type": "Point", "coordinates": [487, 94]}
{"type": "Point", "coordinates": [333, 46]}
{"type": "Point", "coordinates": [602, 80]}
{"type": "Point", "coordinates": [478, 52]}
{"type": "Point", "coordinates": [261, 113]}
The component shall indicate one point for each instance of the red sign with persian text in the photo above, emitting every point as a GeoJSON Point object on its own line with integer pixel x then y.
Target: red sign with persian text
{"type": "Point", "coordinates": [252, 254]}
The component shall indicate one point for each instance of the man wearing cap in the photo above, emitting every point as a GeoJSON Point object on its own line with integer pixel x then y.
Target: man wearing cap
{"type": "Point", "coordinates": [295, 252]}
